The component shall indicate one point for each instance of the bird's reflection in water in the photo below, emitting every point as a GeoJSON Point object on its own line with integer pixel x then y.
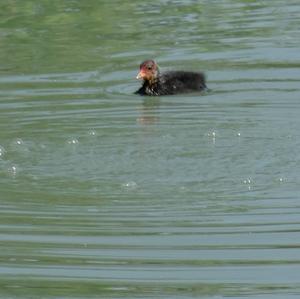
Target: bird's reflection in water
{"type": "Point", "coordinates": [149, 111]}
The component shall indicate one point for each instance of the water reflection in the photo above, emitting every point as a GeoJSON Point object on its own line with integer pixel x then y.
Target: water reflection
{"type": "Point", "coordinates": [149, 112]}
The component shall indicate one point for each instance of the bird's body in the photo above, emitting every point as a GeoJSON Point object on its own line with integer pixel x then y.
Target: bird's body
{"type": "Point", "coordinates": [168, 83]}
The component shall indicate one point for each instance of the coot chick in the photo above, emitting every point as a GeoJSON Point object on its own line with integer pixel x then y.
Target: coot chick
{"type": "Point", "coordinates": [168, 83]}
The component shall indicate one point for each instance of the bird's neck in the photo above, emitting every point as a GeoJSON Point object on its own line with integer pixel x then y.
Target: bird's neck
{"type": "Point", "coordinates": [154, 80]}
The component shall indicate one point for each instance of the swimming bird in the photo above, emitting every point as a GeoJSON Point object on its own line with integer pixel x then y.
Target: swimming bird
{"type": "Point", "coordinates": [167, 83]}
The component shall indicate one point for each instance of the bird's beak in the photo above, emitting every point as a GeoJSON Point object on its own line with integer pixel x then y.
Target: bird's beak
{"type": "Point", "coordinates": [140, 75]}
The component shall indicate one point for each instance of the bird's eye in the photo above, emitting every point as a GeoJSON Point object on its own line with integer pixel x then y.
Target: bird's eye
{"type": "Point", "coordinates": [149, 67]}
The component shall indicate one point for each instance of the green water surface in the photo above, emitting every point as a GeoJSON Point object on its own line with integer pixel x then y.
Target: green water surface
{"type": "Point", "coordinates": [106, 194]}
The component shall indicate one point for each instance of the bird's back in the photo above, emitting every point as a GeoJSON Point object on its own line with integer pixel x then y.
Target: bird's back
{"type": "Point", "coordinates": [181, 81]}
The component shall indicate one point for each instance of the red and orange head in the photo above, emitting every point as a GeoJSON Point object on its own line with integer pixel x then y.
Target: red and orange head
{"type": "Point", "coordinates": [148, 70]}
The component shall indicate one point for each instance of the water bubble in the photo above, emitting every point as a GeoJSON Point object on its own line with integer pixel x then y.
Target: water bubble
{"type": "Point", "coordinates": [247, 181]}
{"type": "Point", "coordinates": [130, 185]}
{"type": "Point", "coordinates": [2, 151]}
{"type": "Point", "coordinates": [19, 145]}
{"type": "Point", "coordinates": [73, 141]}
{"type": "Point", "coordinates": [211, 134]}
{"type": "Point", "coordinates": [239, 134]}
{"type": "Point", "coordinates": [92, 133]}
{"type": "Point", "coordinates": [19, 141]}
{"type": "Point", "coordinates": [13, 170]}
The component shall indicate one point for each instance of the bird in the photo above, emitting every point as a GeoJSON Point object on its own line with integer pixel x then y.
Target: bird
{"type": "Point", "coordinates": [156, 83]}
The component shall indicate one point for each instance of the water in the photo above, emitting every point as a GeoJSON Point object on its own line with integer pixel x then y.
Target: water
{"type": "Point", "coordinates": [105, 194]}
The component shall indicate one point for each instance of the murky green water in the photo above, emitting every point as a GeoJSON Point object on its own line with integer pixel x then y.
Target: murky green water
{"type": "Point", "coordinates": [105, 194]}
